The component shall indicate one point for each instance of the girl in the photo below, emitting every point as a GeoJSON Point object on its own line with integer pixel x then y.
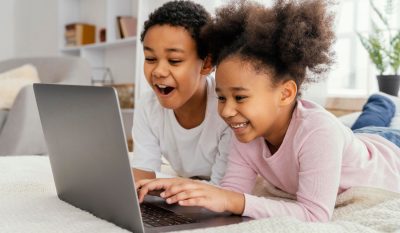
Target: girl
{"type": "Point", "coordinates": [263, 56]}
{"type": "Point", "coordinates": [179, 119]}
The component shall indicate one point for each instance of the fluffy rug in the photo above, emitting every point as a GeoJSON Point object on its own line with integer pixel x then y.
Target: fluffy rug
{"type": "Point", "coordinates": [29, 203]}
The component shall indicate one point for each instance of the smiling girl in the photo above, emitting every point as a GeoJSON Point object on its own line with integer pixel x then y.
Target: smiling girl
{"type": "Point", "coordinates": [263, 56]}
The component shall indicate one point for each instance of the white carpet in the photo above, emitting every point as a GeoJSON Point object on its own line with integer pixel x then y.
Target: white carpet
{"type": "Point", "coordinates": [28, 203]}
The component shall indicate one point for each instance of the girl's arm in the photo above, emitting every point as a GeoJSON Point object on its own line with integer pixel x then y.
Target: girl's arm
{"type": "Point", "coordinates": [240, 175]}
{"type": "Point", "coordinates": [188, 192]}
{"type": "Point", "coordinates": [319, 157]}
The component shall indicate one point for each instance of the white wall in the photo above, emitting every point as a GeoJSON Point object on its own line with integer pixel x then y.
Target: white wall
{"type": "Point", "coordinates": [6, 29]}
{"type": "Point", "coordinates": [35, 27]}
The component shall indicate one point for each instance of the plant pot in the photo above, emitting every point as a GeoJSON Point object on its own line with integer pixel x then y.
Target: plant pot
{"type": "Point", "coordinates": [389, 84]}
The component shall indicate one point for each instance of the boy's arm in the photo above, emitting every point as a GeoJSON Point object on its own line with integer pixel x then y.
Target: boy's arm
{"type": "Point", "coordinates": [147, 152]}
{"type": "Point", "coordinates": [142, 174]}
{"type": "Point", "coordinates": [221, 159]}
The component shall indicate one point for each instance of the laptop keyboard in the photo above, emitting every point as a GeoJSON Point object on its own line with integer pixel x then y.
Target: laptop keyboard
{"type": "Point", "coordinates": [154, 216]}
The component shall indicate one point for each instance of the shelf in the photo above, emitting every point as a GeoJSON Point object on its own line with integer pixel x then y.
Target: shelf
{"type": "Point", "coordinates": [104, 45]}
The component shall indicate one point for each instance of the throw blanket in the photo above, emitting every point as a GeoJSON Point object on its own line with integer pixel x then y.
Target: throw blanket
{"type": "Point", "coordinates": [28, 203]}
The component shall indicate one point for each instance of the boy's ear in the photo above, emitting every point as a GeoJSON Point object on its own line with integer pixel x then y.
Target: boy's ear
{"type": "Point", "coordinates": [207, 67]}
{"type": "Point", "coordinates": [288, 92]}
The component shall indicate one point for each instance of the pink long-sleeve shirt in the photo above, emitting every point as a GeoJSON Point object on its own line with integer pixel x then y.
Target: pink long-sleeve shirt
{"type": "Point", "coordinates": [318, 159]}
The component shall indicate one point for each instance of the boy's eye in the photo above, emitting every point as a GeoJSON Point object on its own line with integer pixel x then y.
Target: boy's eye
{"type": "Point", "coordinates": [150, 59]}
{"type": "Point", "coordinates": [239, 98]}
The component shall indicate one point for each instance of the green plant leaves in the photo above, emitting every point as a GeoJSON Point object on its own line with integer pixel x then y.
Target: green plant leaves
{"type": "Point", "coordinates": [395, 55]}
{"type": "Point", "coordinates": [383, 52]}
{"type": "Point", "coordinates": [375, 50]}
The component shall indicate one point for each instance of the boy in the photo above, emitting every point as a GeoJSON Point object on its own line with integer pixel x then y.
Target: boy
{"type": "Point", "coordinates": [179, 119]}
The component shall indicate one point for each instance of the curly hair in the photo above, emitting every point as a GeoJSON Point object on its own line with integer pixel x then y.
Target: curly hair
{"type": "Point", "coordinates": [187, 14]}
{"type": "Point", "coordinates": [290, 37]}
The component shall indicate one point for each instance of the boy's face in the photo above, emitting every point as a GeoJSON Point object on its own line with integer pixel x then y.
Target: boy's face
{"type": "Point", "coordinates": [172, 66]}
{"type": "Point", "coordinates": [247, 100]}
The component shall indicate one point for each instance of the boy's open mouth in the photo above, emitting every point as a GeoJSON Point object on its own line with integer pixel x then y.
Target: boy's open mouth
{"type": "Point", "coordinates": [164, 89]}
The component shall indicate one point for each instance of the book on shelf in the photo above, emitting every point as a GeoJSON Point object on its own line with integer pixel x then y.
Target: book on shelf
{"type": "Point", "coordinates": [79, 34]}
{"type": "Point", "coordinates": [127, 26]}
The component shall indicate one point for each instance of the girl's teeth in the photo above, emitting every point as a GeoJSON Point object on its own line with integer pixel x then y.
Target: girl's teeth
{"type": "Point", "coordinates": [241, 125]}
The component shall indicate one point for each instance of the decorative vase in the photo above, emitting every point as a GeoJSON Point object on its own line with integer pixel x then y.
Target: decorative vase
{"type": "Point", "coordinates": [389, 84]}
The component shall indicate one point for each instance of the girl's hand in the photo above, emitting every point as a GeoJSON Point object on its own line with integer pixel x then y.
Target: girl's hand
{"type": "Point", "coordinates": [188, 192]}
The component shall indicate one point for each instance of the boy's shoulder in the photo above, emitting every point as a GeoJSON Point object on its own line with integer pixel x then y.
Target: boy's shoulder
{"type": "Point", "coordinates": [149, 103]}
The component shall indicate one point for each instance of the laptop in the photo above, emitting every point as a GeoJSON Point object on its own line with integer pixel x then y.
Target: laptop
{"type": "Point", "coordinates": [89, 159]}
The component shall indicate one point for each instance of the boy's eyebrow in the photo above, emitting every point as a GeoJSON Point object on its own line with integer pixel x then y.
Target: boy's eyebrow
{"type": "Point", "coordinates": [233, 89]}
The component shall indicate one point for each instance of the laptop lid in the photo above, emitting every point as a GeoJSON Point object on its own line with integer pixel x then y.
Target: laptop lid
{"type": "Point", "coordinates": [88, 153]}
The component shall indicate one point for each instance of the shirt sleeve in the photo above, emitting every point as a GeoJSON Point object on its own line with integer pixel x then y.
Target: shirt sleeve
{"type": "Point", "coordinates": [319, 160]}
{"type": "Point", "coordinates": [239, 175]}
{"type": "Point", "coordinates": [219, 166]}
{"type": "Point", "coordinates": [146, 152]}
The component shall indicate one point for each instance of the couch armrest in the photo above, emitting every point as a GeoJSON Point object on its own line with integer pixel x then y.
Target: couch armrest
{"type": "Point", "coordinates": [22, 132]}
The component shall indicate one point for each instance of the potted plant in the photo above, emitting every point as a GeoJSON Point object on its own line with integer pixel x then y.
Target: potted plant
{"type": "Point", "coordinates": [383, 47]}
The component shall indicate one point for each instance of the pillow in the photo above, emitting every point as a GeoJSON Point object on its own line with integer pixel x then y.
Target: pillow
{"type": "Point", "coordinates": [12, 81]}
{"type": "Point", "coordinates": [349, 119]}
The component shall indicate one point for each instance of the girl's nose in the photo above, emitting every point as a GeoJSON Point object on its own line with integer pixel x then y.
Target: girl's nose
{"type": "Point", "coordinates": [227, 110]}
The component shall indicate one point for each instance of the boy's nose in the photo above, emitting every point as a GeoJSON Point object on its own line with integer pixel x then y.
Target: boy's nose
{"type": "Point", "coordinates": [160, 71]}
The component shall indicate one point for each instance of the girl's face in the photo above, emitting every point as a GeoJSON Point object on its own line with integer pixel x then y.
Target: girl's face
{"type": "Point", "coordinates": [248, 101]}
{"type": "Point", "coordinates": [172, 66]}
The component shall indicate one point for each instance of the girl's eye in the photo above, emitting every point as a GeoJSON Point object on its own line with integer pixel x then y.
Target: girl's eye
{"type": "Point", "coordinates": [221, 99]}
{"type": "Point", "coordinates": [239, 98]}
{"type": "Point", "coordinates": [174, 62]}
{"type": "Point", "coordinates": [150, 59]}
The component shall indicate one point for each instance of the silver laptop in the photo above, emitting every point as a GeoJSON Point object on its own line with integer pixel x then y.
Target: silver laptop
{"type": "Point", "coordinates": [88, 154]}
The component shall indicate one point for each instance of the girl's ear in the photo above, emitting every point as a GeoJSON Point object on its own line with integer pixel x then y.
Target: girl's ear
{"type": "Point", "coordinates": [288, 92]}
{"type": "Point", "coordinates": [207, 67]}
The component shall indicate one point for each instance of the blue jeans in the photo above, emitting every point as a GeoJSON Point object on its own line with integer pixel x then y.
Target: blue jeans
{"type": "Point", "coordinates": [390, 134]}
{"type": "Point", "coordinates": [376, 115]}
{"type": "Point", "coordinates": [378, 111]}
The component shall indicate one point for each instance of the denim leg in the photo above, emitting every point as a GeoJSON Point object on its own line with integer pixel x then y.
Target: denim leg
{"type": "Point", "coordinates": [378, 111]}
{"type": "Point", "coordinates": [390, 134]}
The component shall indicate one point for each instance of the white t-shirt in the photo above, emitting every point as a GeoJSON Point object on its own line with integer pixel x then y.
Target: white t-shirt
{"type": "Point", "coordinates": [200, 151]}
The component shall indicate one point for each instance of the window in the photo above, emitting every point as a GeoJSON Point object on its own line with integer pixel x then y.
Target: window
{"type": "Point", "coordinates": [354, 74]}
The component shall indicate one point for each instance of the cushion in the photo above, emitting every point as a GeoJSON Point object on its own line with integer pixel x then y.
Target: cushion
{"type": "Point", "coordinates": [3, 117]}
{"type": "Point", "coordinates": [12, 81]}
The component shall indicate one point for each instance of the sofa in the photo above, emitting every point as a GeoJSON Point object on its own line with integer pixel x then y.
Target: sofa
{"type": "Point", "coordinates": [20, 127]}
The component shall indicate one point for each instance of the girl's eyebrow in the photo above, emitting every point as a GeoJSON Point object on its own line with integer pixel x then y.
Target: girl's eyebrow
{"type": "Point", "coordinates": [148, 48]}
{"type": "Point", "coordinates": [175, 50]}
{"type": "Point", "coordinates": [233, 89]}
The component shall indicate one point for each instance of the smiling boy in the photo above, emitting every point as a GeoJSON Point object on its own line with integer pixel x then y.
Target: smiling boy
{"type": "Point", "coordinates": [179, 119]}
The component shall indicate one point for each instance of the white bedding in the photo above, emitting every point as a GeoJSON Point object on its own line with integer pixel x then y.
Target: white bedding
{"type": "Point", "coordinates": [28, 203]}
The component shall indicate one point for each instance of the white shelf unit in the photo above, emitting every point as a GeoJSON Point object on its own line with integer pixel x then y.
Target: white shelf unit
{"type": "Point", "coordinates": [115, 53]}
{"type": "Point", "coordinates": [124, 57]}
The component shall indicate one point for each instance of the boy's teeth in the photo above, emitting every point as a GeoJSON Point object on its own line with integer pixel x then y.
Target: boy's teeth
{"type": "Point", "coordinates": [161, 86]}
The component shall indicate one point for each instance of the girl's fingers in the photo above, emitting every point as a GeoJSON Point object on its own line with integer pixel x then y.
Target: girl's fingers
{"type": "Point", "coordinates": [184, 195]}
{"type": "Point", "coordinates": [197, 201]}
{"type": "Point", "coordinates": [180, 187]}
{"type": "Point", "coordinates": [145, 186]}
